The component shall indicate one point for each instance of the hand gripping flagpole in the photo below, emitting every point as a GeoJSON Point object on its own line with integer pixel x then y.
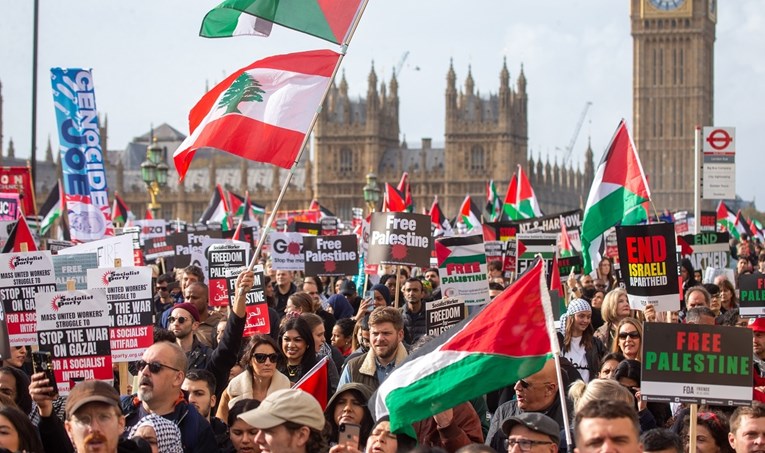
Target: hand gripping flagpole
{"type": "Point", "coordinates": [555, 347]}
{"type": "Point", "coordinates": [343, 50]}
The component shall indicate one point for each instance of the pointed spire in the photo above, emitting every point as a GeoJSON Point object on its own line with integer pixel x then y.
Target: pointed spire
{"type": "Point", "coordinates": [504, 75]}
{"type": "Point", "coordinates": [344, 85]}
{"type": "Point", "coordinates": [49, 151]}
{"type": "Point", "coordinates": [522, 81]}
{"type": "Point", "coordinates": [11, 150]}
{"type": "Point", "coordinates": [372, 78]}
{"type": "Point", "coordinates": [403, 142]}
{"type": "Point", "coordinates": [469, 84]}
{"type": "Point", "coordinates": [394, 85]}
{"type": "Point", "coordinates": [451, 77]}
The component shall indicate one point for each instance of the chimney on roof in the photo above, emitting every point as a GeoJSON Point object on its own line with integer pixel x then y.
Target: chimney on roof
{"type": "Point", "coordinates": [427, 143]}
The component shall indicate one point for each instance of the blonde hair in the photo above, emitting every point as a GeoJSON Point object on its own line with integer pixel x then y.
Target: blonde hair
{"type": "Point", "coordinates": [637, 325]}
{"type": "Point", "coordinates": [598, 389]}
{"type": "Point", "coordinates": [610, 304]}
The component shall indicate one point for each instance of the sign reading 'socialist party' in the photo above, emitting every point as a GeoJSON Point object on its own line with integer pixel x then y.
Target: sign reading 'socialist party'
{"type": "Point", "coordinates": [694, 363]}
{"type": "Point", "coordinates": [400, 238]}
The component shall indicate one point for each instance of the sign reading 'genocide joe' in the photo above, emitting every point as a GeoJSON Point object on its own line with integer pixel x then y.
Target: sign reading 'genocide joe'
{"type": "Point", "coordinates": [74, 327]}
{"type": "Point", "coordinates": [462, 268]}
{"type": "Point", "coordinates": [752, 294]}
{"type": "Point", "coordinates": [331, 255]}
{"type": "Point", "coordinates": [22, 277]}
{"type": "Point", "coordinates": [221, 258]}
{"type": "Point", "coordinates": [694, 363]}
{"type": "Point", "coordinates": [400, 238]}
{"type": "Point", "coordinates": [128, 295]}
{"type": "Point", "coordinates": [649, 265]}
{"type": "Point", "coordinates": [442, 314]}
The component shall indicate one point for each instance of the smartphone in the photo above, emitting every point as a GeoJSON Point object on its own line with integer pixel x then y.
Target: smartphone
{"type": "Point", "coordinates": [349, 435]}
{"type": "Point", "coordinates": [370, 295]}
{"type": "Point", "coordinates": [42, 363]}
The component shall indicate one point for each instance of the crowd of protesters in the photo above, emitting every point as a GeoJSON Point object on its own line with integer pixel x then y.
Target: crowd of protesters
{"type": "Point", "coordinates": [202, 387]}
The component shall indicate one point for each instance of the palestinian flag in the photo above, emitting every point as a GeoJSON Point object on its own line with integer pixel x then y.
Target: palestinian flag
{"type": "Point", "coordinates": [756, 227]}
{"type": "Point", "coordinates": [619, 187]}
{"type": "Point", "coordinates": [470, 217]}
{"type": "Point", "coordinates": [726, 220]}
{"type": "Point", "coordinates": [742, 225]}
{"type": "Point", "coordinates": [20, 239]}
{"type": "Point", "coordinates": [493, 203]}
{"type": "Point", "coordinates": [261, 112]}
{"type": "Point", "coordinates": [244, 207]}
{"type": "Point", "coordinates": [520, 200]}
{"type": "Point", "coordinates": [393, 199]}
{"type": "Point", "coordinates": [315, 382]}
{"type": "Point", "coordinates": [565, 248]}
{"type": "Point", "coordinates": [323, 212]}
{"type": "Point", "coordinates": [217, 210]}
{"type": "Point", "coordinates": [51, 209]}
{"type": "Point", "coordinates": [439, 224]}
{"type": "Point", "coordinates": [330, 20]}
{"type": "Point", "coordinates": [507, 340]}
{"type": "Point", "coordinates": [404, 188]}
{"type": "Point", "coordinates": [120, 211]}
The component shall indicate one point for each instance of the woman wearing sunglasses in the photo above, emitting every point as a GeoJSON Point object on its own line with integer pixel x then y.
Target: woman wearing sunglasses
{"type": "Point", "coordinates": [616, 306]}
{"type": "Point", "coordinates": [259, 378]}
{"type": "Point", "coordinates": [629, 338]}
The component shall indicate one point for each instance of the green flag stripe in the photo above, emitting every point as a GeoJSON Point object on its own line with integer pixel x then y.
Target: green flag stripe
{"type": "Point", "coordinates": [608, 212]}
{"type": "Point", "coordinates": [220, 22]}
{"type": "Point", "coordinates": [451, 385]}
{"type": "Point", "coordinates": [464, 259]}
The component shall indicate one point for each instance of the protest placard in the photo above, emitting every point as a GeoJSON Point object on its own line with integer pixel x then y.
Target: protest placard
{"type": "Point", "coordinates": [73, 267]}
{"type": "Point", "coordinates": [551, 224]}
{"type": "Point", "coordinates": [529, 245]}
{"type": "Point", "coordinates": [329, 226]}
{"type": "Point", "coordinates": [154, 248]}
{"type": "Point", "coordinates": [152, 228]}
{"type": "Point", "coordinates": [462, 268]}
{"type": "Point", "coordinates": [74, 327]}
{"type": "Point", "coordinates": [751, 294]}
{"type": "Point", "coordinates": [9, 206]}
{"type": "Point", "coordinates": [443, 313]}
{"type": "Point", "coordinates": [400, 238]}
{"type": "Point", "coordinates": [54, 245]}
{"type": "Point", "coordinates": [107, 250]}
{"type": "Point", "coordinates": [331, 255]}
{"type": "Point", "coordinates": [695, 363]}
{"type": "Point", "coordinates": [220, 258]}
{"type": "Point", "coordinates": [135, 236]}
{"type": "Point", "coordinates": [649, 265]}
{"type": "Point", "coordinates": [256, 320]}
{"type": "Point", "coordinates": [128, 294]}
{"type": "Point", "coordinates": [22, 277]}
{"type": "Point", "coordinates": [307, 228]}
{"type": "Point", "coordinates": [190, 242]}
{"type": "Point", "coordinates": [709, 249]}
{"type": "Point", "coordinates": [287, 251]}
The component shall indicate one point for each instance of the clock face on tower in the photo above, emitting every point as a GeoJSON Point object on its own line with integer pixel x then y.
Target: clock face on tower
{"type": "Point", "coordinates": [667, 5]}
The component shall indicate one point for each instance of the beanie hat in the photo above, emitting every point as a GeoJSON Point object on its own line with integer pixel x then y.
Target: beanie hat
{"type": "Point", "coordinates": [189, 308]}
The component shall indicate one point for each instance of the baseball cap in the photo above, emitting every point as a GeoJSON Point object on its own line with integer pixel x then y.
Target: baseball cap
{"type": "Point", "coordinates": [757, 324]}
{"type": "Point", "coordinates": [189, 308]}
{"type": "Point", "coordinates": [287, 405]}
{"type": "Point", "coordinates": [91, 392]}
{"type": "Point", "coordinates": [347, 288]}
{"type": "Point", "coordinates": [535, 422]}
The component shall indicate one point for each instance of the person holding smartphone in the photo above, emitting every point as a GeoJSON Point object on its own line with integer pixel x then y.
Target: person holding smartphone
{"type": "Point", "coordinates": [377, 296]}
{"type": "Point", "coordinates": [349, 417]}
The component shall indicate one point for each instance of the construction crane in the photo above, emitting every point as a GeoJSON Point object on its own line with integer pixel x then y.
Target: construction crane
{"type": "Point", "coordinates": [570, 148]}
{"type": "Point", "coordinates": [401, 62]}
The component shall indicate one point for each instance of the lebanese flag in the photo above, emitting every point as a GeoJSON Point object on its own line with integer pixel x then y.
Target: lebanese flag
{"type": "Point", "coordinates": [316, 382]}
{"type": "Point", "coordinates": [727, 220]}
{"type": "Point", "coordinates": [261, 112]}
{"type": "Point", "coordinates": [565, 247]}
{"type": "Point", "coordinates": [20, 239]}
{"type": "Point", "coordinates": [507, 340]}
{"type": "Point", "coordinates": [619, 187]}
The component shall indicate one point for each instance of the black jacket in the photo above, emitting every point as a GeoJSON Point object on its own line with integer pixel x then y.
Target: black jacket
{"type": "Point", "coordinates": [220, 360]}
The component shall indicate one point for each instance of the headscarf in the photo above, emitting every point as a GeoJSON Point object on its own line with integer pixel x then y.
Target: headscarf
{"type": "Point", "coordinates": [168, 434]}
{"type": "Point", "coordinates": [341, 308]}
{"type": "Point", "coordinates": [384, 291]}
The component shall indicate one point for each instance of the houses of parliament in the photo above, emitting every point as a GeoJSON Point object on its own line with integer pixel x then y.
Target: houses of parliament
{"type": "Point", "coordinates": [486, 136]}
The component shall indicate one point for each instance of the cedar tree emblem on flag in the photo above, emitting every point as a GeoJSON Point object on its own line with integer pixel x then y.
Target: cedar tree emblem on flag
{"type": "Point", "coordinates": [244, 89]}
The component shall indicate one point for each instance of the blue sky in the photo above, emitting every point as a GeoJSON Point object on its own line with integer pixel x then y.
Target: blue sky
{"type": "Point", "coordinates": [151, 67]}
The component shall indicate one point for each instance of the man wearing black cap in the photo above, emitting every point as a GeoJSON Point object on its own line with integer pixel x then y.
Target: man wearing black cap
{"type": "Point", "coordinates": [531, 432]}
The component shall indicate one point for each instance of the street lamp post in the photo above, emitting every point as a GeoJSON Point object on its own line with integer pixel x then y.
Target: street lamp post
{"type": "Point", "coordinates": [371, 192]}
{"type": "Point", "coordinates": [154, 174]}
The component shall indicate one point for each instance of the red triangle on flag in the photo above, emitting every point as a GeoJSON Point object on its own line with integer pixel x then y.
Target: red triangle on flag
{"type": "Point", "coordinates": [521, 248]}
{"type": "Point", "coordinates": [623, 165]}
{"type": "Point", "coordinates": [555, 284]}
{"type": "Point", "coordinates": [316, 382]}
{"type": "Point", "coordinates": [20, 234]}
{"type": "Point", "coordinates": [685, 247]}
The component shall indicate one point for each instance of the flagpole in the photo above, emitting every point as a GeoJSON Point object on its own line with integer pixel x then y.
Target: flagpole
{"type": "Point", "coordinates": [550, 323]}
{"type": "Point", "coordinates": [343, 50]}
{"type": "Point", "coordinates": [696, 180]}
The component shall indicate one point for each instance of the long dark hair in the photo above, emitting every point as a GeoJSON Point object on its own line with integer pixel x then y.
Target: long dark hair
{"type": "Point", "coordinates": [309, 357]}
{"type": "Point", "coordinates": [255, 341]}
{"type": "Point", "coordinates": [23, 399]}
{"type": "Point", "coordinates": [366, 422]}
{"type": "Point", "coordinates": [29, 439]}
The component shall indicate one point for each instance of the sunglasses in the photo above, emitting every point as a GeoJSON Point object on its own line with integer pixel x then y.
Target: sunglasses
{"type": "Point", "coordinates": [261, 358]}
{"type": "Point", "coordinates": [524, 384]}
{"type": "Point", "coordinates": [154, 367]}
{"type": "Point", "coordinates": [633, 335]}
{"type": "Point", "coordinates": [180, 319]}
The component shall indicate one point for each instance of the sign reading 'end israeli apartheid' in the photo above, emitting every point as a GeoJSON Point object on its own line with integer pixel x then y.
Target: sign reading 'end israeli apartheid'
{"type": "Point", "coordinates": [694, 363]}
{"type": "Point", "coordinates": [649, 265]}
{"type": "Point", "coordinates": [400, 238]}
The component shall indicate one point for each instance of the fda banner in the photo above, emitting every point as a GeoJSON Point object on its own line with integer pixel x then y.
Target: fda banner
{"type": "Point", "coordinates": [82, 163]}
{"type": "Point", "coordinates": [331, 255]}
{"type": "Point", "coordinates": [400, 238]}
{"type": "Point", "coordinates": [462, 268]}
{"type": "Point", "coordinates": [649, 265]}
{"type": "Point", "coordinates": [694, 363]}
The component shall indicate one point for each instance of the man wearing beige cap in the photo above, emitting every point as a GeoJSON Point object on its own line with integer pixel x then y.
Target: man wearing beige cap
{"type": "Point", "coordinates": [94, 420]}
{"type": "Point", "coordinates": [288, 421]}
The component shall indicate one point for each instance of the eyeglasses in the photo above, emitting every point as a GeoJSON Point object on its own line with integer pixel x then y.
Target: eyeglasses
{"type": "Point", "coordinates": [261, 358]}
{"type": "Point", "coordinates": [154, 367]}
{"type": "Point", "coordinates": [524, 444]}
{"type": "Point", "coordinates": [180, 319]}
{"type": "Point", "coordinates": [161, 288]}
{"type": "Point", "coordinates": [624, 335]}
{"type": "Point", "coordinates": [103, 418]}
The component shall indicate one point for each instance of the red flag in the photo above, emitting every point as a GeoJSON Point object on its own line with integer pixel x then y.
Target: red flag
{"type": "Point", "coordinates": [20, 235]}
{"type": "Point", "coordinates": [394, 200]}
{"type": "Point", "coordinates": [405, 189]}
{"type": "Point", "coordinates": [316, 382]}
{"type": "Point", "coordinates": [555, 284]}
{"type": "Point", "coordinates": [148, 215]}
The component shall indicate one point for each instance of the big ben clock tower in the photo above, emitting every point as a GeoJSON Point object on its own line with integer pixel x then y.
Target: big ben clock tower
{"type": "Point", "coordinates": [673, 75]}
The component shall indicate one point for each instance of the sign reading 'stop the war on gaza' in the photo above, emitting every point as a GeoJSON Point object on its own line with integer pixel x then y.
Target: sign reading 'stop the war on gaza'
{"type": "Point", "coordinates": [400, 238]}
